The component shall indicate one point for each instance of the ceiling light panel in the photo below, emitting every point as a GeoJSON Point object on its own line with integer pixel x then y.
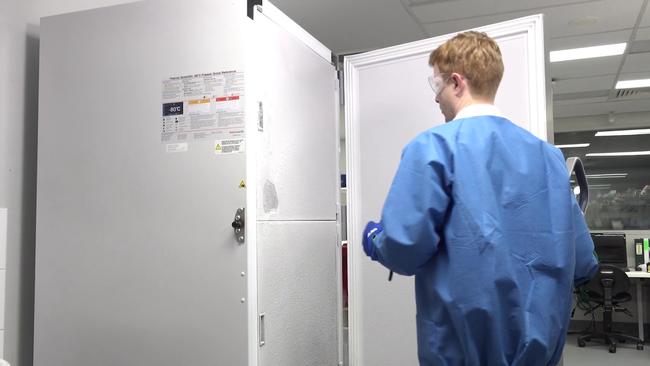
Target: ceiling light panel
{"type": "Point", "coordinates": [606, 176]}
{"type": "Point", "coordinates": [588, 52]}
{"type": "Point", "coordinates": [621, 153]}
{"type": "Point", "coordinates": [571, 146]}
{"type": "Point", "coordinates": [632, 84]}
{"type": "Point", "coordinates": [642, 131]}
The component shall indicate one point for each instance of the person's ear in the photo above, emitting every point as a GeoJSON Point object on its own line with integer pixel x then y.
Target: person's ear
{"type": "Point", "coordinates": [457, 80]}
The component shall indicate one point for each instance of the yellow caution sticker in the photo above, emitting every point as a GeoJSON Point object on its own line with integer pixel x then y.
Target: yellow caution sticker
{"type": "Point", "coordinates": [242, 184]}
{"type": "Point", "coordinates": [229, 146]}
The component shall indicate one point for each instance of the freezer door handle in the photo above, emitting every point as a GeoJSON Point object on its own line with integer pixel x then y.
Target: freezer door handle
{"type": "Point", "coordinates": [262, 330]}
{"type": "Point", "coordinates": [239, 225]}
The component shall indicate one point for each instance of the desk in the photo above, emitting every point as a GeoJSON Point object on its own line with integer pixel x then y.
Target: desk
{"type": "Point", "coordinates": [641, 276]}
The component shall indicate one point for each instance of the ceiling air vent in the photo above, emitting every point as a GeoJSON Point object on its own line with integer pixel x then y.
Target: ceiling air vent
{"type": "Point", "coordinates": [632, 93]}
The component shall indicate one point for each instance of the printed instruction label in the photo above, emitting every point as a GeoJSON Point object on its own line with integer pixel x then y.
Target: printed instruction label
{"type": "Point", "coordinates": [230, 146]}
{"type": "Point", "coordinates": [177, 147]}
{"type": "Point", "coordinates": [203, 106]}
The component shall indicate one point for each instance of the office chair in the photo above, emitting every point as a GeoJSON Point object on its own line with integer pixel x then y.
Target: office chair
{"type": "Point", "coordinates": [607, 290]}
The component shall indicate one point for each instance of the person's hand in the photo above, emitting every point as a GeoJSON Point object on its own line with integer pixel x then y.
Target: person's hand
{"type": "Point", "coordinates": [372, 230]}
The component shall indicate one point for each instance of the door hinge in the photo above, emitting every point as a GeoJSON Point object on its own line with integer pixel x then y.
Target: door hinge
{"type": "Point", "coordinates": [252, 4]}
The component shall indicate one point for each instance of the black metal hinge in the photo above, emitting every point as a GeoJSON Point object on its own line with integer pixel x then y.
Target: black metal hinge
{"type": "Point", "coordinates": [251, 7]}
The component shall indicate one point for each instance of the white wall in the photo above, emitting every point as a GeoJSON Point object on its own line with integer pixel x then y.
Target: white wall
{"type": "Point", "coordinates": [3, 275]}
{"type": "Point", "coordinates": [19, 42]}
{"type": "Point", "coordinates": [18, 174]}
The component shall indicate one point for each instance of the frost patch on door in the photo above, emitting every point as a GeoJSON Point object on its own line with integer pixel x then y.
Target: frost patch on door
{"type": "Point", "coordinates": [270, 200]}
{"type": "Point", "coordinates": [203, 106]}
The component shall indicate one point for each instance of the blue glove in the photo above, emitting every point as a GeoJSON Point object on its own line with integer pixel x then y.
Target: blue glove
{"type": "Point", "coordinates": [369, 234]}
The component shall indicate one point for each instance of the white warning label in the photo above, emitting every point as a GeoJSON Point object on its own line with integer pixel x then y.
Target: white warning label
{"type": "Point", "coordinates": [177, 147]}
{"type": "Point", "coordinates": [230, 146]}
{"type": "Point", "coordinates": [203, 106]}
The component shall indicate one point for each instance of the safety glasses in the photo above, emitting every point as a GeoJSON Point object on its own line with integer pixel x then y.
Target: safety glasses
{"type": "Point", "coordinates": [437, 83]}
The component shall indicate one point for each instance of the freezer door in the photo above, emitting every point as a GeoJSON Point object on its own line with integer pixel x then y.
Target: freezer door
{"type": "Point", "coordinates": [295, 88]}
{"type": "Point", "coordinates": [389, 102]}
{"type": "Point", "coordinates": [136, 260]}
{"type": "Point", "coordinates": [297, 293]}
{"type": "Point", "coordinates": [296, 138]}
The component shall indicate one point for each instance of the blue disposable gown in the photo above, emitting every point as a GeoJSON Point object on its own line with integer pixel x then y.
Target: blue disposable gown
{"type": "Point", "coordinates": [482, 213]}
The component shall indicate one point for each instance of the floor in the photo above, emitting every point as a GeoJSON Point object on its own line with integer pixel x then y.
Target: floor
{"type": "Point", "coordinates": [595, 354]}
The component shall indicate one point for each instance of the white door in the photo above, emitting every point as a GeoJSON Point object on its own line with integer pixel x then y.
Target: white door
{"type": "Point", "coordinates": [388, 102]}
{"type": "Point", "coordinates": [295, 179]}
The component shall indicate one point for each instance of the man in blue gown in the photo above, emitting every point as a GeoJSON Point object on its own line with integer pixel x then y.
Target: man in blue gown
{"type": "Point", "coordinates": [482, 213]}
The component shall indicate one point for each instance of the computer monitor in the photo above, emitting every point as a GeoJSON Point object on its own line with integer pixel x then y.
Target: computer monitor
{"type": "Point", "coordinates": [610, 248]}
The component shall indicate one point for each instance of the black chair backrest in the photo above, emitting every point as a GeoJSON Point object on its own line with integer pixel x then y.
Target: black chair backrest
{"type": "Point", "coordinates": [607, 274]}
{"type": "Point", "coordinates": [574, 165]}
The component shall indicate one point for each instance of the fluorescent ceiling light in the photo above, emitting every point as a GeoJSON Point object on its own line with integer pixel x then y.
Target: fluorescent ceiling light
{"type": "Point", "coordinates": [568, 146]}
{"type": "Point", "coordinates": [631, 84]}
{"type": "Point", "coordinates": [645, 131]}
{"type": "Point", "coordinates": [624, 153]}
{"type": "Point", "coordinates": [606, 176]}
{"type": "Point", "coordinates": [588, 52]}
{"type": "Point", "coordinates": [599, 186]}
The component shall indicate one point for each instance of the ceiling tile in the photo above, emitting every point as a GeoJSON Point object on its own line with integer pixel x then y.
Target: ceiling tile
{"type": "Point", "coordinates": [571, 100]}
{"type": "Point", "coordinates": [634, 75]}
{"type": "Point", "coordinates": [351, 26]}
{"type": "Point", "coordinates": [643, 34]}
{"type": "Point", "coordinates": [639, 47]}
{"type": "Point", "coordinates": [645, 22]}
{"type": "Point", "coordinates": [590, 109]}
{"type": "Point", "coordinates": [455, 10]}
{"type": "Point", "coordinates": [583, 68]}
{"type": "Point", "coordinates": [587, 40]}
{"type": "Point", "coordinates": [620, 121]}
{"type": "Point", "coordinates": [639, 62]}
{"type": "Point", "coordinates": [583, 84]}
{"type": "Point", "coordinates": [573, 138]}
{"type": "Point", "coordinates": [611, 17]}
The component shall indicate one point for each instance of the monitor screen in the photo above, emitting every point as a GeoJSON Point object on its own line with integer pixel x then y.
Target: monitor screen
{"type": "Point", "coordinates": [610, 248]}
